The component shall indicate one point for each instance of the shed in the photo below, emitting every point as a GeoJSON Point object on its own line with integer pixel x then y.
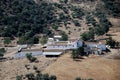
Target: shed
{"type": "Point", "coordinates": [52, 54]}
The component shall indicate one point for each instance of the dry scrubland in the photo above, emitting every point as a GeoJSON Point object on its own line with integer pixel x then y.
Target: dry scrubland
{"type": "Point", "coordinates": [98, 68]}
{"type": "Point", "coordinates": [10, 69]}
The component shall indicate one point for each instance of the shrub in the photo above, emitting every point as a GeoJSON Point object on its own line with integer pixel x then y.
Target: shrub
{"type": "Point", "coordinates": [78, 78]}
{"type": "Point", "coordinates": [64, 36]}
{"type": "Point", "coordinates": [30, 57]}
{"type": "Point", "coordinates": [43, 40]}
{"type": "Point", "coordinates": [78, 52]}
{"type": "Point", "coordinates": [30, 76]}
{"type": "Point", "coordinates": [76, 23]}
{"type": "Point", "coordinates": [53, 77]}
{"type": "Point", "coordinates": [87, 35]}
{"type": "Point", "coordinates": [2, 51]}
{"type": "Point", "coordinates": [19, 77]}
{"type": "Point", "coordinates": [111, 42]}
{"type": "Point", "coordinates": [35, 68]}
{"type": "Point", "coordinates": [7, 40]}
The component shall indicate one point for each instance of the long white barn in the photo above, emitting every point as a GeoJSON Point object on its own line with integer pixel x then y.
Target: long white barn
{"type": "Point", "coordinates": [70, 44]}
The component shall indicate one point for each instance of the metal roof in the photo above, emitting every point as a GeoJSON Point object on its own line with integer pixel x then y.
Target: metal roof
{"type": "Point", "coordinates": [52, 53]}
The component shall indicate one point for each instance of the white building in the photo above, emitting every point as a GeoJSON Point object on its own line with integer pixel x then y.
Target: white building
{"type": "Point", "coordinates": [70, 44]}
{"type": "Point", "coordinates": [95, 48]}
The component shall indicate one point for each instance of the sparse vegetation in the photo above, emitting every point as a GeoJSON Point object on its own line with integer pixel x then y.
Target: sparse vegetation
{"type": "Point", "coordinates": [91, 20]}
{"type": "Point", "coordinates": [38, 76]}
{"type": "Point", "coordinates": [78, 78]}
{"type": "Point", "coordinates": [77, 12]}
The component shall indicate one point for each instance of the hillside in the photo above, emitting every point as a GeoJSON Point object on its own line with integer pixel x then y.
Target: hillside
{"type": "Point", "coordinates": [28, 18]}
{"type": "Point", "coordinates": [95, 67]}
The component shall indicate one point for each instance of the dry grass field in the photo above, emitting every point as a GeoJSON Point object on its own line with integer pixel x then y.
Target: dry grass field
{"type": "Point", "coordinates": [11, 68]}
{"type": "Point", "coordinates": [98, 68]}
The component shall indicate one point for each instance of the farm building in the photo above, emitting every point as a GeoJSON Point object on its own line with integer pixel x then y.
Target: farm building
{"type": "Point", "coordinates": [52, 54]}
{"type": "Point", "coordinates": [94, 48]}
{"type": "Point", "coordinates": [70, 44]}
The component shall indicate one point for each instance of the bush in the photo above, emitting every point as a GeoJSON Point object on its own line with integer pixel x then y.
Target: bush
{"type": "Point", "coordinates": [64, 36]}
{"type": "Point", "coordinates": [19, 77]}
{"type": "Point", "coordinates": [30, 76]}
{"type": "Point", "coordinates": [46, 76]}
{"type": "Point", "coordinates": [76, 23]}
{"type": "Point", "coordinates": [7, 40]}
{"type": "Point", "coordinates": [30, 57]}
{"type": "Point", "coordinates": [78, 52]}
{"type": "Point", "coordinates": [78, 78]}
{"type": "Point", "coordinates": [35, 68]}
{"type": "Point", "coordinates": [53, 77]}
{"type": "Point", "coordinates": [55, 27]}
{"type": "Point", "coordinates": [111, 42]}
{"type": "Point", "coordinates": [87, 35]}
{"type": "Point", "coordinates": [33, 59]}
{"type": "Point", "coordinates": [43, 40]}
{"type": "Point", "coordinates": [2, 51]}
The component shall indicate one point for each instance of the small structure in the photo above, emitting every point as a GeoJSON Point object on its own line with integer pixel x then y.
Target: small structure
{"type": "Point", "coordinates": [52, 54]}
{"type": "Point", "coordinates": [57, 37]}
{"type": "Point", "coordinates": [70, 44]}
{"type": "Point", "coordinates": [23, 46]}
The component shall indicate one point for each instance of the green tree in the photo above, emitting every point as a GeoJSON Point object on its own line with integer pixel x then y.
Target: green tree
{"type": "Point", "coordinates": [46, 76]}
{"type": "Point", "coordinates": [19, 77]}
{"type": "Point", "coordinates": [30, 57]}
{"type": "Point", "coordinates": [22, 40]}
{"type": "Point", "coordinates": [76, 23]}
{"type": "Point", "coordinates": [27, 20]}
{"type": "Point", "coordinates": [75, 54]}
{"type": "Point", "coordinates": [53, 77]}
{"type": "Point", "coordinates": [111, 42]}
{"type": "Point", "coordinates": [87, 35]}
{"type": "Point", "coordinates": [78, 52]}
{"type": "Point", "coordinates": [43, 40]}
{"type": "Point", "coordinates": [2, 51]}
{"type": "Point", "coordinates": [55, 27]}
{"type": "Point", "coordinates": [38, 76]}
{"type": "Point", "coordinates": [65, 1]}
{"type": "Point", "coordinates": [78, 78]}
{"type": "Point", "coordinates": [7, 40]}
{"type": "Point", "coordinates": [30, 76]}
{"type": "Point", "coordinates": [64, 36]}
